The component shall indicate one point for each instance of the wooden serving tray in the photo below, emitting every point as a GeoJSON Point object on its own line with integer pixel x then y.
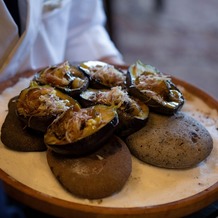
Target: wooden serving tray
{"type": "Point", "coordinates": [53, 204]}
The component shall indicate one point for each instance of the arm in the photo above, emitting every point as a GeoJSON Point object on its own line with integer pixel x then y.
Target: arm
{"type": "Point", "coordinates": [87, 36]}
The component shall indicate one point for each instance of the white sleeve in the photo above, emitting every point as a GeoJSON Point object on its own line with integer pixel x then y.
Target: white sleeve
{"type": "Point", "coordinates": [87, 36]}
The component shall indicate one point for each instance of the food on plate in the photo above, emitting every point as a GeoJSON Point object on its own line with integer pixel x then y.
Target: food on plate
{"type": "Point", "coordinates": [15, 135]}
{"type": "Point", "coordinates": [80, 115]}
{"type": "Point", "coordinates": [177, 141]}
{"type": "Point", "coordinates": [63, 76]}
{"type": "Point", "coordinates": [154, 88]}
{"type": "Point", "coordinates": [133, 115]}
{"type": "Point", "coordinates": [95, 176]}
{"type": "Point", "coordinates": [132, 112]}
{"type": "Point", "coordinates": [38, 106]}
{"type": "Point", "coordinates": [83, 131]}
{"type": "Point", "coordinates": [102, 75]}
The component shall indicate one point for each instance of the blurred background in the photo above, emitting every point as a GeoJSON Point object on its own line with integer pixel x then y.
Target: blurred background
{"type": "Point", "coordinates": [177, 37]}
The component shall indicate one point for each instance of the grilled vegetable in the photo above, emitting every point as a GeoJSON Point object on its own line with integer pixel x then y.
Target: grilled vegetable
{"type": "Point", "coordinates": [154, 88]}
{"type": "Point", "coordinates": [65, 77]}
{"type": "Point", "coordinates": [132, 112]}
{"type": "Point", "coordinates": [102, 75]}
{"type": "Point", "coordinates": [38, 106]}
{"type": "Point", "coordinates": [133, 115]}
{"type": "Point", "coordinates": [81, 132]}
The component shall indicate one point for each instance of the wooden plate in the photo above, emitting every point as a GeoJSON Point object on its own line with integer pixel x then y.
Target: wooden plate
{"type": "Point", "coordinates": [63, 207]}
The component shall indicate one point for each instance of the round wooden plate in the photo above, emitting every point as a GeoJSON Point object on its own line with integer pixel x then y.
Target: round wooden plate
{"type": "Point", "coordinates": [64, 208]}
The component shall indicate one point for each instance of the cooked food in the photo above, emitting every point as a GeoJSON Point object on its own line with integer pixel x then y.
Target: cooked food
{"type": "Point", "coordinates": [65, 77]}
{"type": "Point", "coordinates": [103, 75]}
{"type": "Point", "coordinates": [154, 88]}
{"type": "Point", "coordinates": [177, 141]}
{"type": "Point", "coordinates": [15, 135]}
{"type": "Point", "coordinates": [38, 106]}
{"type": "Point", "coordinates": [95, 176]}
{"type": "Point", "coordinates": [132, 112]}
{"type": "Point", "coordinates": [83, 131]}
{"type": "Point", "coordinates": [133, 115]}
{"type": "Point", "coordinates": [80, 115]}
{"type": "Point", "coordinates": [115, 96]}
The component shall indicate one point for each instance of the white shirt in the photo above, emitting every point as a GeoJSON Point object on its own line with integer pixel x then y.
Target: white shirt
{"type": "Point", "coordinates": [52, 31]}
